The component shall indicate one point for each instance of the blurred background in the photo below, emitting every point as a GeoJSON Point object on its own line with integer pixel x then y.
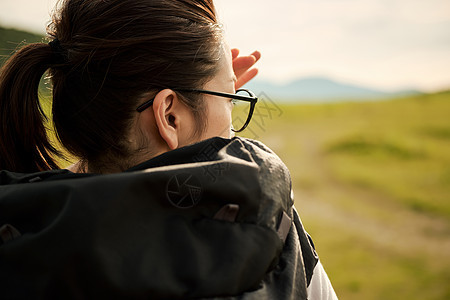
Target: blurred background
{"type": "Point", "coordinates": [355, 98]}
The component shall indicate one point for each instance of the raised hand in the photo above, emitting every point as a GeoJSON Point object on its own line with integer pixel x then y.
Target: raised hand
{"type": "Point", "coordinates": [242, 66]}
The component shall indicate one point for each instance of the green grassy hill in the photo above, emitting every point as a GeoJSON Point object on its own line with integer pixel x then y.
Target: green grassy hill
{"type": "Point", "coordinates": [372, 185]}
{"type": "Point", "coordinates": [11, 39]}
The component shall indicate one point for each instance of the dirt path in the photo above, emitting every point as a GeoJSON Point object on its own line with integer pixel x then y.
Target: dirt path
{"type": "Point", "coordinates": [368, 213]}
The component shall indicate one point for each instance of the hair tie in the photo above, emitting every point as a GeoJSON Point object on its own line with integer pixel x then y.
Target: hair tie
{"type": "Point", "coordinates": [58, 51]}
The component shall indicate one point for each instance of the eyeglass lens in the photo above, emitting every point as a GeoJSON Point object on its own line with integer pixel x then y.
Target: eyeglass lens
{"type": "Point", "coordinates": [240, 111]}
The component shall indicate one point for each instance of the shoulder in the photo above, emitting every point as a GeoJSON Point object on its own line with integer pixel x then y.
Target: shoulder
{"type": "Point", "coordinates": [320, 286]}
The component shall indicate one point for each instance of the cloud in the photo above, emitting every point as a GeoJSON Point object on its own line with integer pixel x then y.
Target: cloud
{"type": "Point", "coordinates": [381, 43]}
{"type": "Point", "coordinates": [32, 15]}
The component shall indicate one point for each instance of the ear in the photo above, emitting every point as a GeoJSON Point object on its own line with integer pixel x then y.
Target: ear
{"type": "Point", "coordinates": [167, 117]}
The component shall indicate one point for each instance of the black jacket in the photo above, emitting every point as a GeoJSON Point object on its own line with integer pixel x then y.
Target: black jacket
{"type": "Point", "coordinates": [210, 220]}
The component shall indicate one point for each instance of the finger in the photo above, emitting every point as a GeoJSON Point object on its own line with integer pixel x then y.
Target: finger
{"type": "Point", "coordinates": [234, 53]}
{"type": "Point", "coordinates": [242, 64]}
{"type": "Point", "coordinates": [246, 77]}
{"type": "Point", "coordinates": [257, 55]}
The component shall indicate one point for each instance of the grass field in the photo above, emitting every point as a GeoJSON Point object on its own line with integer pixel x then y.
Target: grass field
{"type": "Point", "coordinates": [372, 185]}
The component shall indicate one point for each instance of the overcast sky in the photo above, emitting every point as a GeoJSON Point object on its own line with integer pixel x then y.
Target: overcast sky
{"type": "Point", "coordinates": [387, 44]}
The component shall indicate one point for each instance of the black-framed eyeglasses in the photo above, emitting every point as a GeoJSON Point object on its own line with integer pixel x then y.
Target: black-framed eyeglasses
{"type": "Point", "coordinates": [244, 102]}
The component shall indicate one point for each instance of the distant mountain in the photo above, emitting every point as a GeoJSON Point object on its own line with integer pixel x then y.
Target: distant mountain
{"type": "Point", "coordinates": [311, 89]}
{"type": "Point", "coordinates": [321, 89]}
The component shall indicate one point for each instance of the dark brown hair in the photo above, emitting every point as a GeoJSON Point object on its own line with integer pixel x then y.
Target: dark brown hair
{"type": "Point", "coordinates": [108, 55]}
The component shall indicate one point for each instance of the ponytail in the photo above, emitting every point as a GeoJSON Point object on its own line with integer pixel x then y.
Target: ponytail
{"type": "Point", "coordinates": [24, 145]}
{"type": "Point", "coordinates": [104, 58]}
